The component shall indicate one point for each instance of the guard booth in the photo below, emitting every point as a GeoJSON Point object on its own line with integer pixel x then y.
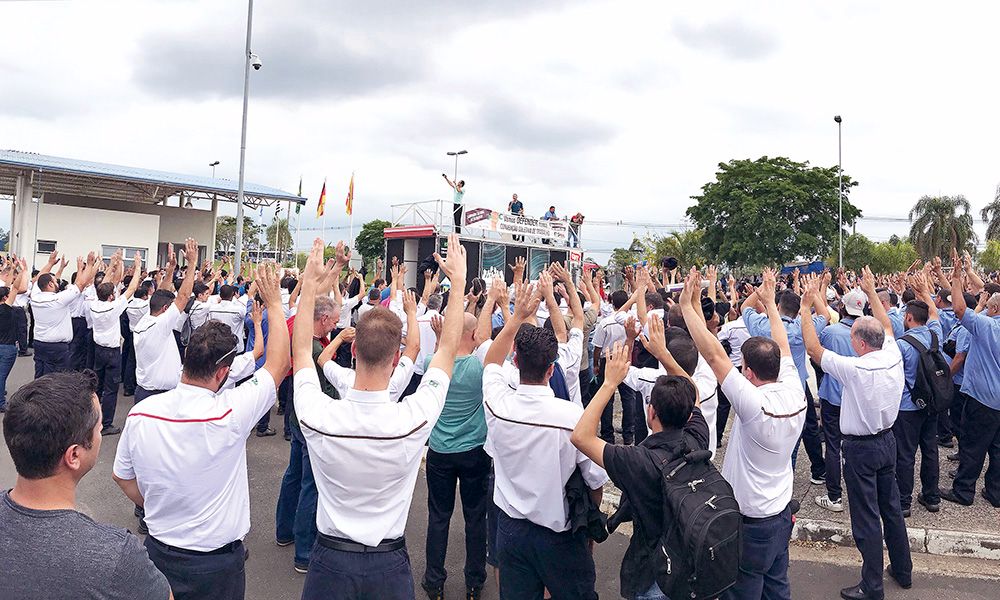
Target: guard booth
{"type": "Point", "coordinates": [422, 228]}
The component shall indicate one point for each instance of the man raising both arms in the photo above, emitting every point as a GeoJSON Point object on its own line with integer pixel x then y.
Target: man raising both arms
{"type": "Point", "coordinates": [368, 444]}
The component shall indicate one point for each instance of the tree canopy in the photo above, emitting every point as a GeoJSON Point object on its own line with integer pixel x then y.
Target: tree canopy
{"type": "Point", "coordinates": [225, 233]}
{"type": "Point", "coordinates": [885, 257]}
{"type": "Point", "coordinates": [370, 242]}
{"type": "Point", "coordinates": [278, 236]}
{"type": "Point", "coordinates": [940, 223]}
{"type": "Point", "coordinates": [771, 210]}
{"type": "Point", "coordinates": [686, 246]}
{"type": "Point", "coordinates": [989, 259]}
{"type": "Point", "coordinates": [991, 216]}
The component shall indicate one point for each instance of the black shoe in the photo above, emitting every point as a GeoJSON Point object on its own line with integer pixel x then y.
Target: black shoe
{"type": "Point", "coordinates": [433, 593]}
{"type": "Point", "coordinates": [288, 437]}
{"type": "Point", "coordinates": [953, 457]}
{"type": "Point", "coordinates": [283, 543]}
{"type": "Point", "coordinates": [128, 393]}
{"type": "Point", "coordinates": [143, 530]}
{"type": "Point", "coordinates": [139, 512]}
{"type": "Point", "coordinates": [906, 513]}
{"type": "Point", "coordinates": [267, 432]}
{"type": "Point", "coordinates": [473, 593]}
{"type": "Point", "coordinates": [906, 583]}
{"type": "Point", "coordinates": [953, 473]}
{"type": "Point", "coordinates": [25, 353]}
{"type": "Point", "coordinates": [948, 443]}
{"type": "Point", "coordinates": [854, 593]}
{"type": "Point", "coordinates": [281, 411]}
{"type": "Point", "coordinates": [950, 496]}
{"type": "Point", "coordinates": [111, 430]}
{"type": "Point", "coordinates": [987, 498]}
{"type": "Point", "coordinates": [931, 507]}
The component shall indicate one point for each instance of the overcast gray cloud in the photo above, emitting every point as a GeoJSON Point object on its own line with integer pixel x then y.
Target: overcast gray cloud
{"type": "Point", "coordinates": [732, 38]}
{"type": "Point", "coordinates": [508, 123]}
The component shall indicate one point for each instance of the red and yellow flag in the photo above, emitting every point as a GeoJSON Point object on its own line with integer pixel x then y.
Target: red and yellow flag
{"type": "Point", "coordinates": [322, 201]}
{"type": "Point", "coordinates": [349, 204]}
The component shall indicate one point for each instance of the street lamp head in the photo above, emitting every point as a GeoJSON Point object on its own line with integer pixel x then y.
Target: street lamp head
{"type": "Point", "coordinates": [463, 152]}
{"type": "Point", "coordinates": [837, 118]}
{"type": "Point", "coordinates": [213, 164]}
{"type": "Point", "coordinates": [459, 153]}
{"type": "Point", "coordinates": [451, 153]}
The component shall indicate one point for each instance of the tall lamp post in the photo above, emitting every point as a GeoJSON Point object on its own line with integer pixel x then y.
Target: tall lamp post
{"type": "Point", "coordinates": [213, 165]}
{"type": "Point", "coordinates": [840, 192]}
{"type": "Point", "coordinates": [456, 155]}
{"type": "Point", "coordinates": [253, 60]}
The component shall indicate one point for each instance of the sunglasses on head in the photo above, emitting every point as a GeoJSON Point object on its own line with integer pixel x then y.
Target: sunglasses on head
{"type": "Point", "coordinates": [231, 353]}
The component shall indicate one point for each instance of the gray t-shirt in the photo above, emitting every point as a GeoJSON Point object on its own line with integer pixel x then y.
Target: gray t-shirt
{"type": "Point", "coordinates": [64, 554]}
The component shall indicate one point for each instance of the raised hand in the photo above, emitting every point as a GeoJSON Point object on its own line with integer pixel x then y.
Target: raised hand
{"type": "Point", "coordinates": [766, 291]}
{"type": "Point", "coordinates": [454, 267]}
{"type": "Point", "coordinates": [409, 303]}
{"type": "Point", "coordinates": [692, 287]}
{"type": "Point", "coordinates": [268, 286]}
{"type": "Point", "coordinates": [619, 358]}
{"type": "Point", "coordinates": [545, 285]}
{"type": "Point", "coordinates": [343, 254]}
{"type": "Point", "coordinates": [657, 339]}
{"type": "Point", "coordinates": [498, 291]}
{"type": "Point", "coordinates": [257, 313]}
{"type": "Point", "coordinates": [526, 300]}
{"type": "Point", "coordinates": [437, 324]}
{"type": "Point", "coordinates": [559, 272]}
{"type": "Point", "coordinates": [316, 272]}
{"type": "Point", "coordinates": [630, 330]}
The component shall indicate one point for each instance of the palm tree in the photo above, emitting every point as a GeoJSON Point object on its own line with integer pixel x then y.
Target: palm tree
{"type": "Point", "coordinates": [991, 216]}
{"type": "Point", "coordinates": [940, 223]}
{"type": "Point", "coordinates": [685, 246]}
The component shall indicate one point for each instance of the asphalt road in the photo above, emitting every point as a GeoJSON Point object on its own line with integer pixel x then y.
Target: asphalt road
{"type": "Point", "coordinates": [815, 573]}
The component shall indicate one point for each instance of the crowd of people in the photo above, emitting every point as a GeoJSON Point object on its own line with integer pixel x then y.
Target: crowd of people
{"type": "Point", "coordinates": [506, 394]}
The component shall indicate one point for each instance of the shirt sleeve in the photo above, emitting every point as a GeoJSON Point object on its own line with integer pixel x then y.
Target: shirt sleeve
{"type": "Point", "coordinates": [977, 324]}
{"type": "Point", "coordinates": [619, 462]}
{"type": "Point", "coordinates": [123, 454]}
{"type": "Point", "coordinates": [250, 400]}
{"type": "Point", "coordinates": [742, 394]}
{"type": "Point", "coordinates": [243, 366]}
{"type": "Point", "coordinates": [135, 577]}
{"type": "Point", "coordinates": [600, 335]}
{"type": "Point", "coordinates": [481, 351]}
{"type": "Point", "coordinates": [837, 366]}
{"type": "Point", "coordinates": [309, 397]}
{"type": "Point", "coordinates": [494, 383]}
{"type": "Point", "coordinates": [400, 378]}
{"type": "Point", "coordinates": [757, 323]}
{"type": "Point", "coordinates": [593, 475]}
{"type": "Point", "coordinates": [339, 377]}
{"type": "Point", "coordinates": [168, 321]}
{"type": "Point", "coordinates": [430, 395]}
{"type": "Point", "coordinates": [820, 323]}
{"type": "Point", "coordinates": [788, 372]}
{"type": "Point", "coordinates": [697, 427]}
{"type": "Point", "coordinates": [962, 340]}
{"type": "Point", "coordinates": [67, 296]}
{"type": "Point", "coordinates": [571, 352]}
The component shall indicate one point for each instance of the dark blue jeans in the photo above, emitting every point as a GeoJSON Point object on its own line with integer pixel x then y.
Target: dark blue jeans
{"type": "Point", "coordinates": [870, 477]}
{"type": "Point", "coordinates": [128, 359]}
{"type": "Point", "coordinates": [295, 517]}
{"type": "Point", "coordinates": [980, 438]}
{"type": "Point", "coordinates": [913, 429]}
{"type": "Point", "coordinates": [764, 564]}
{"type": "Point", "coordinates": [831, 432]}
{"type": "Point", "coordinates": [8, 354]}
{"type": "Point", "coordinates": [810, 439]}
{"type": "Point", "coordinates": [51, 357]}
{"type": "Point", "coordinates": [196, 577]}
{"type": "Point", "coordinates": [534, 558]}
{"type": "Point", "coordinates": [358, 576]}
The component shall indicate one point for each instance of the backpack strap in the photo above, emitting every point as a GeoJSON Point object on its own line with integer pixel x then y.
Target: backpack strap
{"type": "Point", "coordinates": [912, 341]}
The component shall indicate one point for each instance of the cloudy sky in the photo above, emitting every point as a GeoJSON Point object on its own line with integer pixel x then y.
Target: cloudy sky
{"type": "Point", "coordinates": [621, 109]}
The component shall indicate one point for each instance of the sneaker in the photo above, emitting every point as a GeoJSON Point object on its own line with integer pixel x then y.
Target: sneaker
{"type": "Point", "coordinates": [931, 507]}
{"type": "Point", "coordinates": [267, 432]}
{"type": "Point", "coordinates": [906, 512]}
{"type": "Point", "coordinates": [283, 543]}
{"type": "Point", "coordinates": [953, 457]}
{"type": "Point", "coordinates": [950, 496]}
{"type": "Point", "coordinates": [301, 569]}
{"type": "Point", "coordinates": [948, 443]}
{"type": "Point", "coordinates": [111, 430]}
{"type": "Point", "coordinates": [433, 593]}
{"type": "Point", "coordinates": [25, 353]}
{"type": "Point", "coordinates": [821, 480]}
{"type": "Point", "coordinates": [830, 505]}
{"type": "Point", "coordinates": [288, 437]}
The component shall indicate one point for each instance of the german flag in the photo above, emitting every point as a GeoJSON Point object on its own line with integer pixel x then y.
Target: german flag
{"type": "Point", "coordinates": [322, 201]}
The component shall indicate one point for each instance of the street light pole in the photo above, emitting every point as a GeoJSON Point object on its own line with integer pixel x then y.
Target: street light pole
{"type": "Point", "coordinates": [213, 165]}
{"type": "Point", "coordinates": [456, 155]}
{"type": "Point", "coordinates": [237, 261]}
{"type": "Point", "coordinates": [840, 190]}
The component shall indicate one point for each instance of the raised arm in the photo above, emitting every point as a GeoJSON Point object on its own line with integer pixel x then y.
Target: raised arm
{"type": "Point", "coordinates": [584, 435]}
{"type": "Point", "coordinates": [922, 287]}
{"type": "Point", "coordinates": [778, 333]}
{"type": "Point", "coordinates": [346, 336]}
{"type": "Point", "coordinates": [257, 317]}
{"type": "Point", "coordinates": [191, 255]}
{"type": "Point", "coordinates": [575, 308]}
{"type": "Point", "coordinates": [454, 268]}
{"type": "Point", "coordinates": [878, 311]}
{"type": "Point", "coordinates": [314, 277]}
{"type": "Point", "coordinates": [708, 345]}
{"type": "Point", "coordinates": [555, 316]}
{"type": "Point", "coordinates": [526, 300]}
{"type": "Point", "coordinates": [656, 344]}
{"type": "Point", "coordinates": [269, 290]}
{"type": "Point", "coordinates": [133, 284]}
{"type": "Point", "coordinates": [497, 294]}
{"type": "Point", "coordinates": [809, 336]}
{"type": "Point", "coordinates": [412, 340]}
{"type": "Point", "coordinates": [957, 287]}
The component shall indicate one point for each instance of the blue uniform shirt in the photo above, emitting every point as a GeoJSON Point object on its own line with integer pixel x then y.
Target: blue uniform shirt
{"type": "Point", "coordinates": [982, 364]}
{"type": "Point", "coordinates": [911, 358]}
{"type": "Point", "coordinates": [837, 339]}
{"type": "Point", "coordinates": [961, 336]}
{"type": "Point", "coordinates": [251, 335]}
{"type": "Point", "coordinates": [759, 325]}
{"type": "Point", "coordinates": [896, 317]}
{"type": "Point", "coordinates": [948, 321]}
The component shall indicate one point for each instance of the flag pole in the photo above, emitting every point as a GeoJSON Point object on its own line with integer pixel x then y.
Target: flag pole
{"type": "Point", "coordinates": [352, 211]}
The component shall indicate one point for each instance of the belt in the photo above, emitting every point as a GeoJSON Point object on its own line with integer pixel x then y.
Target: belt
{"type": "Point", "coordinates": [230, 547]}
{"type": "Point", "coordinates": [866, 437]}
{"type": "Point", "coordinates": [792, 507]}
{"type": "Point", "coordinates": [345, 545]}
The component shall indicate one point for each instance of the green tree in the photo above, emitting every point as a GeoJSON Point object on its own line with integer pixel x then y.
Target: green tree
{"type": "Point", "coordinates": [4, 238]}
{"type": "Point", "coordinates": [278, 236]}
{"type": "Point", "coordinates": [991, 216]}
{"type": "Point", "coordinates": [370, 242]}
{"type": "Point", "coordinates": [770, 210]}
{"type": "Point", "coordinates": [858, 252]}
{"type": "Point", "coordinates": [686, 246]}
{"type": "Point", "coordinates": [225, 234]}
{"type": "Point", "coordinates": [989, 259]}
{"type": "Point", "coordinates": [892, 258]}
{"type": "Point", "coordinates": [940, 223]}
{"type": "Point", "coordinates": [621, 257]}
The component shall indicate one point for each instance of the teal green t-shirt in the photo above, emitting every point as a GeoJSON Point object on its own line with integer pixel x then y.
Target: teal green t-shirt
{"type": "Point", "coordinates": [462, 425]}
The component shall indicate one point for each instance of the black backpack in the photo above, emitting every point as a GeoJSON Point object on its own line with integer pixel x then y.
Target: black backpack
{"type": "Point", "coordinates": [933, 387]}
{"type": "Point", "coordinates": [186, 329]}
{"type": "Point", "coordinates": [702, 544]}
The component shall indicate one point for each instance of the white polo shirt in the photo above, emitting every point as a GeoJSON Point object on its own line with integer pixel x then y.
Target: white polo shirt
{"type": "Point", "coordinates": [365, 452]}
{"type": "Point", "coordinates": [243, 366]}
{"type": "Point", "coordinates": [610, 331]}
{"type": "Point", "coordinates": [136, 309]}
{"type": "Point", "coordinates": [51, 313]}
{"type": "Point", "coordinates": [198, 314]}
{"type": "Point", "coordinates": [186, 449]}
{"type": "Point", "coordinates": [22, 299]}
{"type": "Point", "coordinates": [569, 355]}
{"type": "Point", "coordinates": [345, 312]}
{"type": "Point", "coordinates": [767, 427]}
{"type": "Point", "coordinates": [78, 309]}
{"type": "Point", "coordinates": [528, 433]}
{"type": "Point", "coordinates": [735, 332]}
{"type": "Point", "coordinates": [873, 385]}
{"type": "Point", "coordinates": [428, 339]}
{"type": "Point", "coordinates": [343, 378]}
{"type": "Point", "coordinates": [157, 360]}
{"type": "Point", "coordinates": [365, 307]}
{"type": "Point", "coordinates": [105, 316]}
{"type": "Point", "coordinates": [232, 313]}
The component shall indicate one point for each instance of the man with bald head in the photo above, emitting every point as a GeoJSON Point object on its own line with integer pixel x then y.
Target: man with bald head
{"type": "Point", "coordinates": [456, 456]}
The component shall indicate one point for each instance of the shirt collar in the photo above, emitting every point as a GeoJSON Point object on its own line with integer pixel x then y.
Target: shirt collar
{"type": "Point", "coordinates": [663, 438]}
{"type": "Point", "coordinates": [535, 391]}
{"type": "Point", "coordinates": [364, 397]}
{"type": "Point", "coordinates": [193, 390]}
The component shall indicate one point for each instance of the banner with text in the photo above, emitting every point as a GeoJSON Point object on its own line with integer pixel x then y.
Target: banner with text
{"type": "Point", "coordinates": [506, 223]}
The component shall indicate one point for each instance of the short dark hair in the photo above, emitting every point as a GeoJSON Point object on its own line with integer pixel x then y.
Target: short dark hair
{"type": "Point", "coordinates": [378, 335]}
{"type": "Point", "coordinates": [288, 283]}
{"type": "Point", "coordinates": [789, 303]}
{"type": "Point", "coordinates": [909, 295]}
{"type": "Point", "coordinates": [160, 300]}
{"type": "Point", "coordinates": [673, 400]}
{"type": "Point", "coordinates": [207, 345]}
{"type": "Point", "coordinates": [143, 290]}
{"type": "Point", "coordinates": [918, 310]}
{"type": "Point", "coordinates": [619, 298]}
{"type": "Point", "coordinates": [675, 317]}
{"type": "Point", "coordinates": [47, 416]}
{"type": "Point", "coordinates": [536, 349]}
{"type": "Point", "coordinates": [684, 352]}
{"type": "Point", "coordinates": [199, 288]}
{"type": "Point", "coordinates": [45, 280]}
{"type": "Point", "coordinates": [227, 292]}
{"type": "Point", "coordinates": [4, 292]}
{"type": "Point", "coordinates": [378, 282]}
{"type": "Point", "coordinates": [763, 356]}
{"type": "Point", "coordinates": [105, 291]}
{"type": "Point", "coordinates": [374, 294]}
{"type": "Point", "coordinates": [992, 288]}
{"type": "Point", "coordinates": [653, 301]}
{"type": "Point", "coordinates": [944, 295]}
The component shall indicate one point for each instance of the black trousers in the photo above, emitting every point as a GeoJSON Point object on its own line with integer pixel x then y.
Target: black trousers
{"type": "Point", "coordinates": [20, 328]}
{"type": "Point", "coordinates": [870, 475]}
{"type": "Point", "coordinates": [913, 429]}
{"type": "Point", "coordinates": [83, 339]}
{"type": "Point", "coordinates": [107, 365]}
{"type": "Point", "coordinates": [533, 558]}
{"type": "Point", "coordinates": [201, 576]}
{"type": "Point", "coordinates": [627, 397]}
{"type": "Point", "coordinates": [980, 438]}
{"type": "Point", "coordinates": [721, 416]}
{"type": "Point", "coordinates": [810, 439]}
{"type": "Point", "coordinates": [950, 421]}
{"type": "Point", "coordinates": [457, 209]}
{"type": "Point", "coordinates": [358, 576]}
{"type": "Point", "coordinates": [830, 414]}
{"type": "Point", "coordinates": [51, 357]}
{"type": "Point", "coordinates": [128, 360]}
{"type": "Point", "coordinates": [412, 386]}
{"type": "Point", "coordinates": [31, 328]}
{"type": "Point", "coordinates": [142, 393]}
{"type": "Point", "coordinates": [470, 471]}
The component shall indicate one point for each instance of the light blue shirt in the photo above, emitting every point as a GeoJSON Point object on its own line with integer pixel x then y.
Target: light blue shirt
{"type": "Point", "coordinates": [948, 321]}
{"type": "Point", "coordinates": [911, 357]}
{"type": "Point", "coordinates": [759, 325]}
{"type": "Point", "coordinates": [982, 364]}
{"type": "Point", "coordinates": [837, 339]}
{"type": "Point", "coordinates": [549, 216]}
{"type": "Point", "coordinates": [961, 336]}
{"type": "Point", "coordinates": [896, 317]}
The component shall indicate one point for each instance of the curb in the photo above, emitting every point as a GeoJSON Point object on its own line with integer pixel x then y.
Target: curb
{"type": "Point", "coordinates": [939, 542]}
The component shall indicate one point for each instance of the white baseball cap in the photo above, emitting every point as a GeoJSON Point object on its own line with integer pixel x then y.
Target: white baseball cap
{"type": "Point", "coordinates": [854, 302]}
